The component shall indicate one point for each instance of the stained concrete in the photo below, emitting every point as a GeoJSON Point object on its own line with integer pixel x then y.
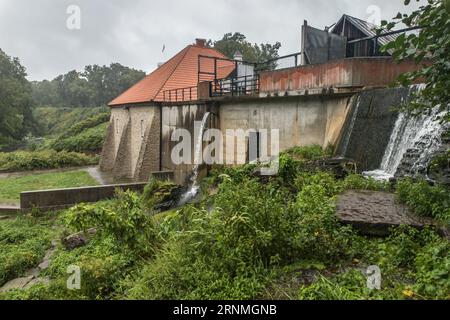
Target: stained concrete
{"type": "Point", "coordinates": [369, 126]}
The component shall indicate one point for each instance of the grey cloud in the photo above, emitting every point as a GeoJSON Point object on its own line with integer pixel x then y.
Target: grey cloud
{"type": "Point", "coordinates": [133, 32]}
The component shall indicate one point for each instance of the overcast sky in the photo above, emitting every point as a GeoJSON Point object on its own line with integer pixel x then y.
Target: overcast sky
{"type": "Point", "coordinates": [133, 32]}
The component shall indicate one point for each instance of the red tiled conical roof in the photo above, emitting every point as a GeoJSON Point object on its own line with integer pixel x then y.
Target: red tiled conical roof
{"type": "Point", "coordinates": [181, 71]}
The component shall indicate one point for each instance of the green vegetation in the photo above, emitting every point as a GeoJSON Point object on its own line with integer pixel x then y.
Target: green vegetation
{"type": "Point", "coordinates": [10, 188]}
{"type": "Point", "coordinates": [232, 42]}
{"type": "Point", "coordinates": [431, 44]}
{"type": "Point", "coordinates": [67, 122]}
{"type": "Point", "coordinates": [48, 159]}
{"type": "Point", "coordinates": [236, 245]}
{"type": "Point", "coordinates": [16, 120]}
{"type": "Point", "coordinates": [95, 86]}
{"type": "Point", "coordinates": [428, 201]}
{"type": "Point", "coordinates": [23, 243]}
{"type": "Point", "coordinates": [91, 140]}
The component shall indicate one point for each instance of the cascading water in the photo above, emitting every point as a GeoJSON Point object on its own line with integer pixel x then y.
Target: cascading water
{"type": "Point", "coordinates": [414, 140]}
{"type": "Point", "coordinates": [198, 156]}
{"type": "Point", "coordinates": [351, 125]}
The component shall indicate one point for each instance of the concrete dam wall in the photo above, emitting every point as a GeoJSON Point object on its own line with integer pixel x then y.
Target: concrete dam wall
{"type": "Point", "coordinates": [358, 124]}
{"type": "Point", "coordinates": [369, 125]}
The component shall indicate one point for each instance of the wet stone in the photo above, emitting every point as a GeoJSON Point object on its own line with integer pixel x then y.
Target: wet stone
{"type": "Point", "coordinates": [374, 213]}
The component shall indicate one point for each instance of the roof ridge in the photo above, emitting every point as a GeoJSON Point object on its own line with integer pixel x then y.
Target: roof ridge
{"type": "Point", "coordinates": [186, 50]}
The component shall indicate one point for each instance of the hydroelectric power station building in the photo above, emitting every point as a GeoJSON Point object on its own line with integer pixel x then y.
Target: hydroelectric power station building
{"type": "Point", "coordinates": [333, 92]}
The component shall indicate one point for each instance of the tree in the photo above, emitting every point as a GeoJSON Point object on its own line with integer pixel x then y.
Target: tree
{"type": "Point", "coordinates": [95, 86]}
{"type": "Point", "coordinates": [430, 47]}
{"type": "Point", "coordinates": [16, 119]}
{"type": "Point", "coordinates": [230, 43]}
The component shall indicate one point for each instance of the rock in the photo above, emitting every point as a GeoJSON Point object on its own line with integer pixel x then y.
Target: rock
{"type": "Point", "coordinates": [374, 213]}
{"type": "Point", "coordinates": [19, 283]}
{"type": "Point", "coordinates": [74, 241]}
{"type": "Point", "coordinates": [79, 239]}
{"type": "Point", "coordinates": [36, 281]}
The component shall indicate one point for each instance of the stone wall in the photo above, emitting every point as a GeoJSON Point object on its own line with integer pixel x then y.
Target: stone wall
{"type": "Point", "coordinates": [132, 146]}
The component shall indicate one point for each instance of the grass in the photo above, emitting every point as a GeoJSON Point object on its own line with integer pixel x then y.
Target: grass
{"type": "Point", "coordinates": [23, 243]}
{"type": "Point", "coordinates": [10, 188]}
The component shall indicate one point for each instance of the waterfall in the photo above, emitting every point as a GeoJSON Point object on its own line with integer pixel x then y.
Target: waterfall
{"type": "Point", "coordinates": [413, 142]}
{"type": "Point", "coordinates": [198, 160]}
{"type": "Point", "coordinates": [349, 131]}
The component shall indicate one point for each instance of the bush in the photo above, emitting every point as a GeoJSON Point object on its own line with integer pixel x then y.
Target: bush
{"type": "Point", "coordinates": [124, 220]}
{"type": "Point", "coordinates": [426, 200]}
{"type": "Point", "coordinates": [49, 159]}
{"type": "Point", "coordinates": [156, 192]}
{"type": "Point", "coordinates": [350, 285]}
{"type": "Point", "coordinates": [82, 126]}
{"type": "Point", "coordinates": [91, 140]}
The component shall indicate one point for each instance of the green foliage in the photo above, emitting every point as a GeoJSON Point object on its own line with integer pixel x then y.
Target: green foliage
{"type": "Point", "coordinates": [432, 44]}
{"type": "Point", "coordinates": [230, 43]}
{"type": "Point", "coordinates": [56, 121]}
{"type": "Point", "coordinates": [102, 263]}
{"type": "Point", "coordinates": [16, 119]}
{"type": "Point", "coordinates": [95, 86]}
{"type": "Point", "coordinates": [90, 140]}
{"type": "Point", "coordinates": [236, 245]}
{"type": "Point", "coordinates": [433, 270]}
{"type": "Point", "coordinates": [350, 285]}
{"type": "Point", "coordinates": [124, 221]}
{"type": "Point", "coordinates": [48, 159]}
{"type": "Point", "coordinates": [23, 244]}
{"type": "Point", "coordinates": [86, 124]}
{"type": "Point", "coordinates": [10, 188]}
{"type": "Point", "coordinates": [157, 191]}
{"type": "Point", "coordinates": [426, 200]}
{"type": "Point", "coordinates": [358, 182]}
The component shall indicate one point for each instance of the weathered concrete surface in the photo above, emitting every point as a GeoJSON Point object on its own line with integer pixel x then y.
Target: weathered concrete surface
{"type": "Point", "coordinates": [301, 121]}
{"type": "Point", "coordinates": [183, 117]}
{"type": "Point", "coordinates": [374, 213]}
{"type": "Point", "coordinates": [63, 198]}
{"type": "Point", "coordinates": [369, 126]}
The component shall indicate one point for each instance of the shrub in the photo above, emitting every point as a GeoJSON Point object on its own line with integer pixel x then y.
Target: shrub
{"type": "Point", "coordinates": [358, 182]}
{"type": "Point", "coordinates": [91, 140]}
{"type": "Point", "coordinates": [49, 159]}
{"type": "Point", "coordinates": [156, 192]}
{"type": "Point", "coordinates": [23, 244]}
{"type": "Point", "coordinates": [350, 285]}
{"type": "Point", "coordinates": [425, 200]}
{"type": "Point", "coordinates": [88, 123]}
{"type": "Point", "coordinates": [124, 220]}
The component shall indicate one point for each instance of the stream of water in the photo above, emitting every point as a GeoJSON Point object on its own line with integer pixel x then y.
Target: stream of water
{"type": "Point", "coordinates": [198, 160]}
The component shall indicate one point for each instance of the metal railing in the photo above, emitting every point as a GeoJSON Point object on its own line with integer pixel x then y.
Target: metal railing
{"type": "Point", "coordinates": [181, 94]}
{"type": "Point", "coordinates": [239, 86]}
{"type": "Point", "coordinates": [288, 61]}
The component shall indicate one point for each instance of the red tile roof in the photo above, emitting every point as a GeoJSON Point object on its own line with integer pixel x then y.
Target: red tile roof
{"type": "Point", "coordinates": [181, 71]}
